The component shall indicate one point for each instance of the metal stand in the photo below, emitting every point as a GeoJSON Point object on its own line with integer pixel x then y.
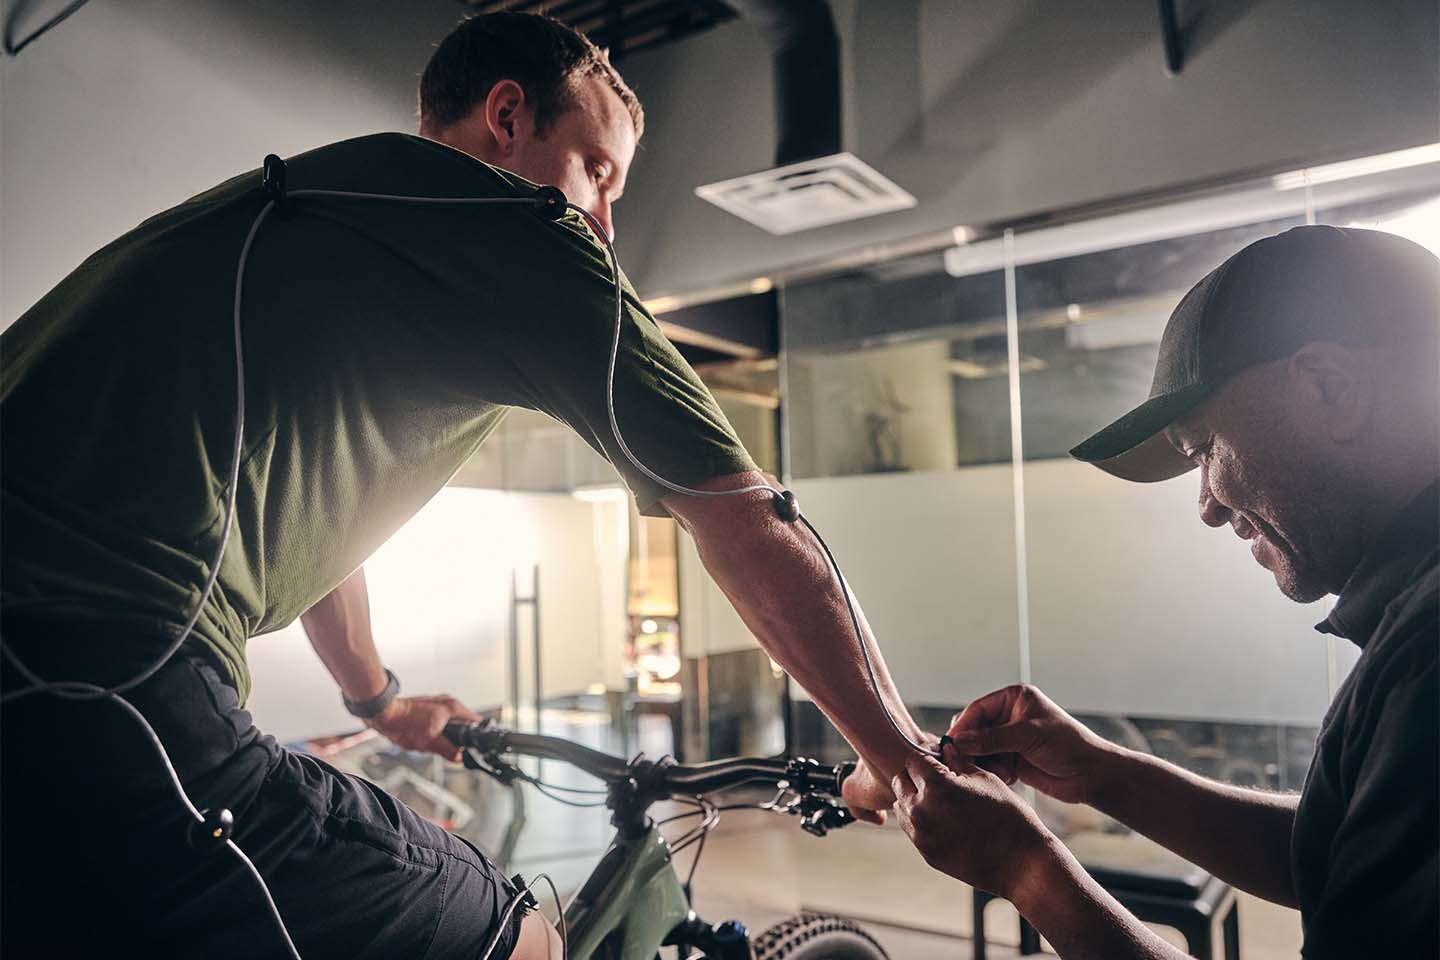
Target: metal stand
{"type": "Point", "coordinates": [533, 603]}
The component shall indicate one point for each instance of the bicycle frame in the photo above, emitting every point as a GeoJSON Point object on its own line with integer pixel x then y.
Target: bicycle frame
{"type": "Point", "coordinates": [631, 903]}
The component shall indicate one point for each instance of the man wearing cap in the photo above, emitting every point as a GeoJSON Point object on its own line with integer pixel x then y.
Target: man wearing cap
{"type": "Point", "coordinates": [1302, 378]}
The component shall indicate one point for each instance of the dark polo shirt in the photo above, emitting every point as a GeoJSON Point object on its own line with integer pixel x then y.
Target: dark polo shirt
{"type": "Point", "coordinates": [1367, 829]}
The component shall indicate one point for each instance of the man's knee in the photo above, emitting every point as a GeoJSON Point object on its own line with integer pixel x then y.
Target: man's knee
{"type": "Point", "coordinates": [538, 940]}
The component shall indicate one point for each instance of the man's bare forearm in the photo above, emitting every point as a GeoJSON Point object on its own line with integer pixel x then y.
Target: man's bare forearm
{"type": "Point", "coordinates": [1081, 920]}
{"type": "Point", "coordinates": [338, 626]}
{"type": "Point", "coordinates": [1239, 835]}
{"type": "Point", "coordinates": [780, 583]}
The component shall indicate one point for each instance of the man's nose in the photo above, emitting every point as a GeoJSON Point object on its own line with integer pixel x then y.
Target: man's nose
{"type": "Point", "coordinates": [1212, 511]}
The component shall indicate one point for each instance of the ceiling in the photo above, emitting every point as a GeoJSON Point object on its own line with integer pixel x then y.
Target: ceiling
{"type": "Point", "coordinates": [622, 26]}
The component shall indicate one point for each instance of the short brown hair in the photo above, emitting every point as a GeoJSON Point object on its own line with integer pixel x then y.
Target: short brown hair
{"type": "Point", "coordinates": [543, 55]}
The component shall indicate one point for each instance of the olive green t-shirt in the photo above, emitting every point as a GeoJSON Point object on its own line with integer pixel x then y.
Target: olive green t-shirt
{"type": "Point", "coordinates": [382, 343]}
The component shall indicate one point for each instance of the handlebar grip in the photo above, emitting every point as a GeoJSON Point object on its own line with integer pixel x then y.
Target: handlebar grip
{"type": "Point", "coordinates": [460, 732]}
{"type": "Point", "coordinates": [842, 773]}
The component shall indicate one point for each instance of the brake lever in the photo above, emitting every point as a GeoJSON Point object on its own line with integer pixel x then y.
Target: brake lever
{"type": "Point", "coordinates": [819, 815]}
{"type": "Point", "coordinates": [822, 822]}
{"type": "Point", "coordinates": [490, 765]}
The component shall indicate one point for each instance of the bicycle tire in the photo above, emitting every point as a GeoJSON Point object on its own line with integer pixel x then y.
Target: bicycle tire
{"type": "Point", "coordinates": [817, 936]}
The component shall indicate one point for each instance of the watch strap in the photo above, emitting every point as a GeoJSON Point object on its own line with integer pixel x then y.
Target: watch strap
{"type": "Point", "coordinates": [373, 707]}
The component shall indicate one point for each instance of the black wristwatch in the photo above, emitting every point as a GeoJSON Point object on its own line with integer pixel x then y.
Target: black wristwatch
{"type": "Point", "coordinates": [365, 709]}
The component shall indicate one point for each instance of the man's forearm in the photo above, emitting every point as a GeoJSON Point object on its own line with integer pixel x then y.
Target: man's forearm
{"type": "Point", "coordinates": [338, 626]}
{"type": "Point", "coordinates": [1081, 920]}
{"type": "Point", "coordinates": [1239, 835]}
{"type": "Point", "coordinates": [783, 588]}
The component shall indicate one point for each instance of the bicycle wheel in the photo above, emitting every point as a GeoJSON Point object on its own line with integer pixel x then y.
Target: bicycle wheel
{"type": "Point", "coordinates": [815, 936]}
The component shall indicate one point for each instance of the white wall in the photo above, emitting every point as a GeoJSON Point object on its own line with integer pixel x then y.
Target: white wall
{"type": "Point", "coordinates": [440, 600]}
{"type": "Point", "coordinates": [130, 106]}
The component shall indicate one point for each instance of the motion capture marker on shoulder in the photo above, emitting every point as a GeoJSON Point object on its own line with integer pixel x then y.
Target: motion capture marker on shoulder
{"type": "Point", "coordinates": [213, 830]}
{"type": "Point", "coordinates": [550, 203]}
{"type": "Point", "coordinates": [273, 184]}
{"type": "Point", "coordinates": [786, 506]}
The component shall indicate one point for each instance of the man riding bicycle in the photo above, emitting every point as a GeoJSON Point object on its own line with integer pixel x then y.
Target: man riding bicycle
{"type": "Point", "coordinates": [382, 343]}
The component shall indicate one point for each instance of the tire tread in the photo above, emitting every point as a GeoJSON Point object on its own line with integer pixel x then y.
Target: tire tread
{"type": "Point", "coordinates": [785, 939]}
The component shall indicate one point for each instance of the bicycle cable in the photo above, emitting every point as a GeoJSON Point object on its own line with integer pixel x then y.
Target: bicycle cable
{"type": "Point", "coordinates": [578, 804]}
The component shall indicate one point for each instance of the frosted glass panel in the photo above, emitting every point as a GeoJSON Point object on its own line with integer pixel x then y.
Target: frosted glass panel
{"type": "Point", "coordinates": [1138, 608]}
{"type": "Point", "coordinates": [899, 439]}
{"type": "Point", "coordinates": [931, 557]}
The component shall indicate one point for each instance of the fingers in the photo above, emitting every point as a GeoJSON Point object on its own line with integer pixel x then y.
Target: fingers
{"type": "Point", "coordinates": [903, 787]}
{"type": "Point", "coordinates": [452, 707]}
{"type": "Point", "coordinates": [991, 709]}
{"type": "Point", "coordinates": [1009, 738]}
{"type": "Point", "coordinates": [876, 817]}
{"type": "Point", "coordinates": [430, 714]}
{"type": "Point", "coordinates": [924, 771]}
{"type": "Point", "coordinates": [459, 711]}
{"type": "Point", "coordinates": [925, 790]}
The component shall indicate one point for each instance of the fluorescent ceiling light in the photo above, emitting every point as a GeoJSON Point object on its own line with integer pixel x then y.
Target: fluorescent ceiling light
{"type": "Point", "coordinates": [1360, 167]}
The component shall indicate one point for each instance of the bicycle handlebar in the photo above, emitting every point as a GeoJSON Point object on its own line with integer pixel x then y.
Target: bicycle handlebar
{"type": "Point", "coordinates": [690, 779]}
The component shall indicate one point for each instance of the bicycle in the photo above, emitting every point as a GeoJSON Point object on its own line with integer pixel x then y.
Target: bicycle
{"type": "Point", "coordinates": [634, 902]}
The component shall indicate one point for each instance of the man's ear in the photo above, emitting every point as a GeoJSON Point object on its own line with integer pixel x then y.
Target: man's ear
{"type": "Point", "coordinates": [504, 106]}
{"type": "Point", "coordinates": [1340, 385]}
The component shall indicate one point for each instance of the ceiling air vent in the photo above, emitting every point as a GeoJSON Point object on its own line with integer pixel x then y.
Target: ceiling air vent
{"type": "Point", "coordinates": [811, 193]}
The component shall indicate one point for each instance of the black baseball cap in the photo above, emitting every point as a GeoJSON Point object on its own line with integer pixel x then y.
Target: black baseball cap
{"type": "Point", "coordinates": [1309, 284]}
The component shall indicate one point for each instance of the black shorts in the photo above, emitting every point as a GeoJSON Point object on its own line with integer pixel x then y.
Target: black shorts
{"type": "Point", "coordinates": [95, 856]}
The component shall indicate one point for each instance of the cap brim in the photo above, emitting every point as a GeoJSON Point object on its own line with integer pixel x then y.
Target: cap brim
{"type": "Point", "coordinates": [1135, 446]}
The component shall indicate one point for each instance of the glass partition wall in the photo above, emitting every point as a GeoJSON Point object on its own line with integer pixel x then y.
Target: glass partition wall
{"type": "Point", "coordinates": [899, 446]}
{"type": "Point", "coordinates": [929, 406]}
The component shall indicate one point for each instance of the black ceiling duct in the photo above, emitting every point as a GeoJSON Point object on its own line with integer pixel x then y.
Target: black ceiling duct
{"type": "Point", "coordinates": [806, 52]}
{"type": "Point", "coordinates": [814, 182]}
